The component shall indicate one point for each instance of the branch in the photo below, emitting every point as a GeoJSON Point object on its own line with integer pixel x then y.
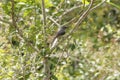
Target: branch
{"type": "Point", "coordinates": [45, 62]}
{"type": "Point", "coordinates": [57, 24]}
{"type": "Point", "coordinates": [47, 69]}
{"type": "Point", "coordinates": [43, 12]}
{"type": "Point", "coordinates": [69, 10]}
{"type": "Point", "coordinates": [44, 20]}
{"type": "Point", "coordinates": [13, 18]}
{"type": "Point", "coordinates": [71, 21]}
{"type": "Point", "coordinates": [97, 5]}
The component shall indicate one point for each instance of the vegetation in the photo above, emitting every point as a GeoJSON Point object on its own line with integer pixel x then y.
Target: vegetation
{"type": "Point", "coordinates": [90, 49]}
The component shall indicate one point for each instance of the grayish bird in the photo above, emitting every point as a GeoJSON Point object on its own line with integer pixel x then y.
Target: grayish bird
{"type": "Point", "coordinates": [61, 31]}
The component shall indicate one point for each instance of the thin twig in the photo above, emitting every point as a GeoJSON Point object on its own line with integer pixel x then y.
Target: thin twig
{"type": "Point", "coordinates": [43, 12]}
{"type": "Point", "coordinates": [97, 5]}
{"type": "Point", "coordinates": [57, 24]}
{"type": "Point", "coordinates": [71, 21]}
{"type": "Point", "coordinates": [69, 10]}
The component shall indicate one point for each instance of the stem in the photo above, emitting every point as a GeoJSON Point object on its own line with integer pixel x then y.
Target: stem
{"type": "Point", "coordinates": [46, 69]}
{"type": "Point", "coordinates": [45, 62]}
{"type": "Point", "coordinates": [13, 17]}
{"type": "Point", "coordinates": [44, 20]}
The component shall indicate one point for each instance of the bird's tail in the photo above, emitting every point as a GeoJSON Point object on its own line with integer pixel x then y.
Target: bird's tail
{"type": "Point", "coordinates": [54, 42]}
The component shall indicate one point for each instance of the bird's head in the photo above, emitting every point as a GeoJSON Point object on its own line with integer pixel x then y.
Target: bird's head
{"type": "Point", "coordinates": [64, 27]}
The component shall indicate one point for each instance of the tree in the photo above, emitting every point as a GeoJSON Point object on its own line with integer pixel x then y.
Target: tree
{"type": "Point", "coordinates": [88, 51]}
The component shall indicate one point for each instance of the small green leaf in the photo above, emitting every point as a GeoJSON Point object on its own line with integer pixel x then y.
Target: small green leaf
{"type": "Point", "coordinates": [85, 2]}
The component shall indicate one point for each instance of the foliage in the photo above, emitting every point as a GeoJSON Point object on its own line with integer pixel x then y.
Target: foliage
{"type": "Point", "coordinates": [91, 52]}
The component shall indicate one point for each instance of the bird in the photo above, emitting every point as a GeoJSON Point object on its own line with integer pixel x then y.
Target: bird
{"type": "Point", "coordinates": [61, 31]}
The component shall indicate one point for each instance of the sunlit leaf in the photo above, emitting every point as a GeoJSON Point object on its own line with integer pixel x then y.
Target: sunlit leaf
{"type": "Point", "coordinates": [85, 2]}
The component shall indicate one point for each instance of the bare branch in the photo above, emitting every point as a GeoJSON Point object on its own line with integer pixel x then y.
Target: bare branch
{"type": "Point", "coordinates": [71, 21]}
{"type": "Point", "coordinates": [43, 12]}
{"type": "Point", "coordinates": [13, 18]}
{"type": "Point", "coordinates": [69, 10]}
{"type": "Point", "coordinates": [54, 21]}
{"type": "Point", "coordinates": [47, 69]}
{"type": "Point", "coordinates": [97, 5]}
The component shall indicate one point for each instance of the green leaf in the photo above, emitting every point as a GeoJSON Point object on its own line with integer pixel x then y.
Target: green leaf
{"type": "Point", "coordinates": [48, 3]}
{"type": "Point", "coordinates": [113, 4]}
{"type": "Point", "coordinates": [85, 2]}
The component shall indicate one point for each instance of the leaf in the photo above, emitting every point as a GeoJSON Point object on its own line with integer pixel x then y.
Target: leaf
{"type": "Point", "coordinates": [2, 51]}
{"type": "Point", "coordinates": [48, 3]}
{"type": "Point", "coordinates": [54, 77]}
{"type": "Point", "coordinates": [117, 6]}
{"type": "Point", "coordinates": [85, 2]}
{"type": "Point", "coordinates": [0, 3]}
{"type": "Point", "coordinates": [108, 1]}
